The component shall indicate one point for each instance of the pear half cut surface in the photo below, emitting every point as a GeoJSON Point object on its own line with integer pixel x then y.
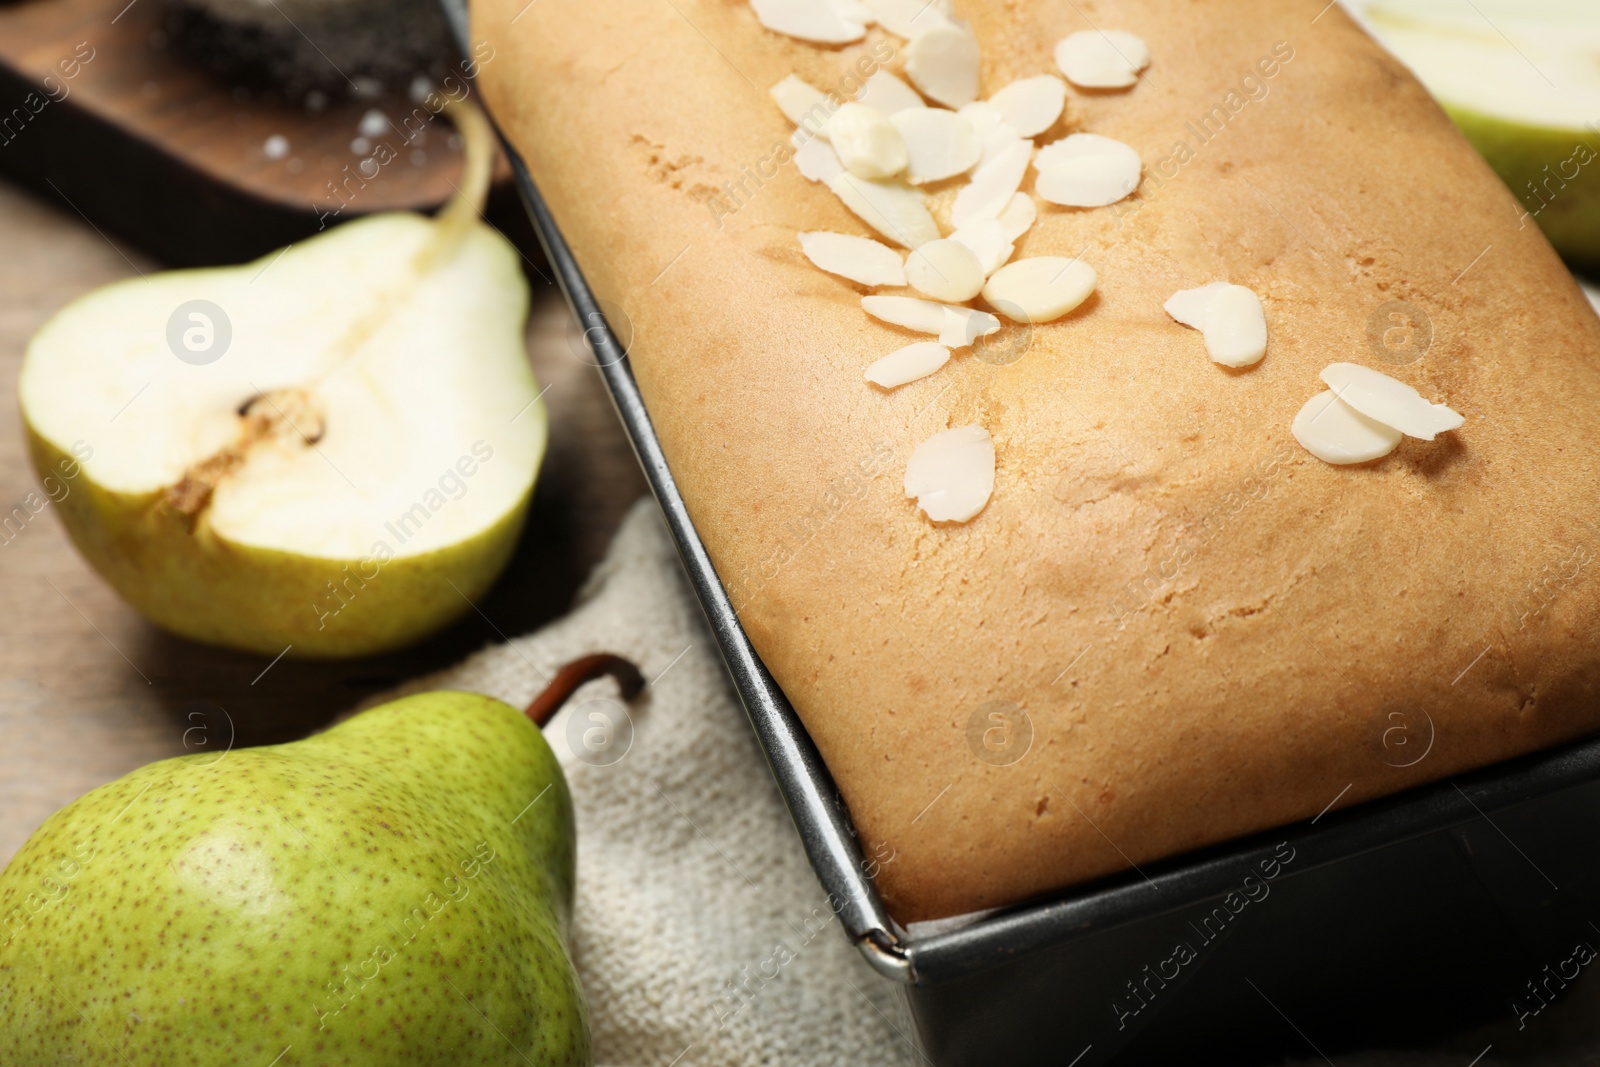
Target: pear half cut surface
{"type": "Point", "coordinates": [396, 890]}
{"type": "Point", "coordinates": [1522, 80]}
{"type": "Point", "coordinates": [331, 449]}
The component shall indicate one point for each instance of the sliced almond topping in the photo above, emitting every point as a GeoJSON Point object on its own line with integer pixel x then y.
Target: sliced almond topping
{"type": "Point", "coordinates": [809, 20]}
{"type": "Point", "coordinates": [853, 11]}
{"type": "Point", "coordinates": [943, 64]}
{"type": "Point", "coordinates": [1335, 432]}
{"type": "Point", "coordinates": [1039, 289]}
{"type": "Point", "coordinates": [908, 18]}
{"type": "Point", "coordinates": [993, 185]}
{"type": "Point", "coordinates": [1065, 150]}
{"type": "Point", "coordinates": [941, 143]}
{"type": "Point", "coordinates": [893, 208]}
{"type": "Point", "coordinates": [1390, 401]}
{"type": "Point", "coordinates": [963, 326]}
{"type": "Point", "coordinates": [957, 327]}
{"type": "Point", "coordinates": [994, 132]}
{"type": "Point", "coordinates": [860, 259]}
{"type": "Point", "coordinates": [803, 104]}
{"type": "Point", "coordinates": [868, 144]}
{"type": "Point", "coordinates": [1031, 105]}
{"type": "Point", "coordinates": [817, 160]}
{"type": "Point", "coordinates": [984, 117]}
{"type": "Point", "coordinates": [988, 241]}
{"type": "Point", "coordinates": [1018, 216]}
{"type": "Point", "coordinates": [1235, 328]}
{"type": "Point", "coordinates": [1087, 170]}
{"type": "Point", "coordinates": [945, 269]}
{"type": "Point", "coordinates": [1102, 59]}
{"type": "Point", "coordinates": [1188, 306]}
{"type": "Point", "coordinates": [888, 94]}
{"type": "Point", "coordinates": [923, 316]}
{"type": "Point", "coordinates": [951, 474]}
{"type": "Point", "coordinates": [1229, 316]}
{"type": "Point", "coordinates": [916, 360]}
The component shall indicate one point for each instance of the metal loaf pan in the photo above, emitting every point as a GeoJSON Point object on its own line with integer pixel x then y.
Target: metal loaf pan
{"type": "Point", "coordinates": [1397, 920]}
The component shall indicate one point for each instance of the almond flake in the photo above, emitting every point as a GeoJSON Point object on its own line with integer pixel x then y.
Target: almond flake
{"type": "Point", "coordinates": [1102, 59]}
{"type": "Point", "coordinates": [1031, 105]}
{"type": "Point", "coordinates": [904, 365]}
{"type": "Point", "coordinates": [891, 207]}
{"type": "Point", "coordinates": [951, 474]}
{"type": "Point", "coordinates": [1335, 432]}
{"type": "Point", "coordinates": [1001, 142]}
{"type": "Point", "coordinates": [1018, 216]}
{"type": "Point", "coordinates": [853, 11]}
{"type": "Point", "coordinates": [868, 144]}
{"type": "Point", "coordinates": [809, 20]}
{"type": "Point", "coordinates": [1087, 170]}
{"type": "Point", "coordinates": [941, 143]}
{"type": "Point", "coordinates": [943, 64]}
{"type": "Point", "coordinates": [993, 185]}
{"type": "Point", "coordinates": [1390, 401]}
{"type": "Point", "coordinates": [908, 18]}
{"type": "Point", "coordinates": [957, 327]}
{"type": "Point", "coordinates": [1188, 306]}
{"type": "Point", "coordinates": [993, 131]}
{"type": "Point", "coordinates": [888, 94]}
{"type": "Point", "coordinates": [923, 316]}
{"type": "Point", "coordinates": [1039, 289]}
{"type": "Point", "coordinates": [817, 160]}
{"type": "Point", "coordinates": [962, 326]}
{"type": "Point", "coordinates": [803, 104]}
{"type": "Point", "coordinates": [984, 116]}
{"type": "Point", "coordinates": [860, 259]}
{"type": "Point", "coordinates": [1235, 329]}
{"type": "Point", "coordinates": [1229, 316]}
{"type": "Point", "coordinates": [988, 240]}
{"type": "Point", "coordinates": [945, 270]}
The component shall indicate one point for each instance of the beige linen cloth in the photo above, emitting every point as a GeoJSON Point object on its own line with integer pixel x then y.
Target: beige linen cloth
{"type": "Point", "coordinates": [701, 933]}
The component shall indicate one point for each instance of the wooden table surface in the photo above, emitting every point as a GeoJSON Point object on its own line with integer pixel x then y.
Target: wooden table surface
{"type": "Point", "coordinates": [89, 690]}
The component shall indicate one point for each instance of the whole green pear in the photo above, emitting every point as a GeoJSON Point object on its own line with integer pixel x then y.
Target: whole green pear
{"type": "Point", "coordinates": [395, 890]}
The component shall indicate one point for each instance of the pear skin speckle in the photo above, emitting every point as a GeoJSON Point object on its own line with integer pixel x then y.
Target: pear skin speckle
{"type": "Point", "coordinates": [393, 891]}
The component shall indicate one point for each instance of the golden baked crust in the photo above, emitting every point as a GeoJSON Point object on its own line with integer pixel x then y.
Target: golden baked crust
{"type": "Point", "coordinates": [1211, 631]}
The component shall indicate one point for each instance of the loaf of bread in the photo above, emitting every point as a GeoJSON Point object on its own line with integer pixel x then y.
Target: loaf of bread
{"type": "Point", "coordinates": [1171, 624]}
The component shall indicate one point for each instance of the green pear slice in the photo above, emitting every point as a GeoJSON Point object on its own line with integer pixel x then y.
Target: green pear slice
{"type": "Point", "coordinates": [331, 448]}
{"type": "Point", "coordinates": [1521, 78]}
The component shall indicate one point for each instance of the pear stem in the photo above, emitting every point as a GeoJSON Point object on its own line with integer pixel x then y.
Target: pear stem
{"type": "Point", "coordinates": [577, 674]}
{"type": "Point", "coordinates": [477, 169]}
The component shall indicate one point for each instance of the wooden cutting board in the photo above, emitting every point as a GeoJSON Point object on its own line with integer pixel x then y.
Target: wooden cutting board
{"type": "Point", "coordinates": [100, 113]}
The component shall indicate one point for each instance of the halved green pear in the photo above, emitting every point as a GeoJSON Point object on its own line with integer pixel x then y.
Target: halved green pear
{"type": "Point", "coordinates": [330, 450]}
{"type": "Point", "coordinates": [1522, 80]}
